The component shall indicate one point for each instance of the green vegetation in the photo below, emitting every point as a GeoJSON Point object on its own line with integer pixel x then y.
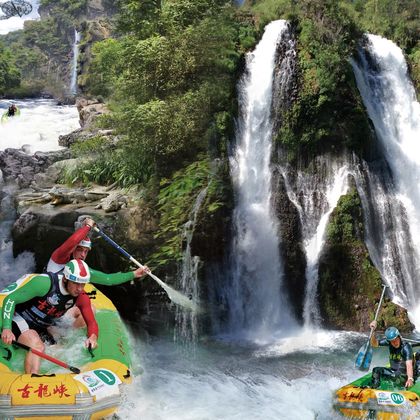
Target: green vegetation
{"type": "Point", "coordinates": [9, 74]}
{"type": "Point", "coordinates": [40, 51]}
{"type": "Point", "coordinates": [170, 80]}
{"type": "Point", "coordinates": [175, 200]}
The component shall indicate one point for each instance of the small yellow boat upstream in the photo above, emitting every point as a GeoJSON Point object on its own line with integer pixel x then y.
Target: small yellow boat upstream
{"type": "Point", "coordinates": [388, 402]}
{"type": "Point", "coordinates": [94, 393]}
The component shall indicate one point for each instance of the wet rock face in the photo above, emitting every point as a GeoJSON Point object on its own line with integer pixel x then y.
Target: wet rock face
{"type": "Point", "coordinates": [291, 249]}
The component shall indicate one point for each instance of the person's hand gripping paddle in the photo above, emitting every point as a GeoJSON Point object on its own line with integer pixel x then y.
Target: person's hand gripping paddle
{"type": "Point", "coordinates": [364, 356]}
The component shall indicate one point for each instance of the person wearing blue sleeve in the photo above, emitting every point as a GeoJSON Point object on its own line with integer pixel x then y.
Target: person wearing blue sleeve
{"type": "Point", "coordinates": [400, 358]}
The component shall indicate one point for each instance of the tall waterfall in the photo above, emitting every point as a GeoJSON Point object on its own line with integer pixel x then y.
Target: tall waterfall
{"type": "Point", "coordinates": [255, 299]}
{"type": "Point", "coordinates": [73, 82]}
{"type": "Point", "coordinates": [315, 194]}
{"type": "Point", "coordinates": [394, 234]}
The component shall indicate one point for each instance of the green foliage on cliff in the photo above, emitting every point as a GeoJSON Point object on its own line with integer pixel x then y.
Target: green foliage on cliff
{"type": "Point", "coordinates": [9, 74]}
{"type": "Point", "coordinates": [171, 80]}
{"type": "Point", "coordinates": [328, 109]}
{"type": "Point", "coordinates": [65, 13]}
{"type": "Point", "coordinates": [175, 204]}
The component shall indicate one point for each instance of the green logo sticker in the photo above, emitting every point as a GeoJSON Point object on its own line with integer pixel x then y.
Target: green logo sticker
{"type": "Point", "coordinates": [397, 398]}
{"type": "Point", "coordinates": [9, 288]}
{"type": "Point", "coordinates": [106, 376]}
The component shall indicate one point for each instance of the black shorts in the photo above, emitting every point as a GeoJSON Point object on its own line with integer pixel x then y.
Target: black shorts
{"type": "Point", "coordinates": [20, 325]}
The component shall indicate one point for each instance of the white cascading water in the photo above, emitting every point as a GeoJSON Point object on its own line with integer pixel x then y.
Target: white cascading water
{"type": "Point", "coordinates": [73, 81]}
{"type": "Point", "coordinates": [39, 124]}
{"type": "Point", "coordinates": [15, 23]}
{"type": "Point", "coordinates": [390, 99]}
{"type": "Point", "coordinates": [186, 329]}
{"type": "Point", "coordinates": [255, 299]}
{"type": "Point", "coordinates": [315, 194]}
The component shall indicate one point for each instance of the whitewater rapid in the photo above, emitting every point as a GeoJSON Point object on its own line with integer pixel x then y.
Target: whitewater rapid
{"type": "Point", "coordinates": [39, 124]}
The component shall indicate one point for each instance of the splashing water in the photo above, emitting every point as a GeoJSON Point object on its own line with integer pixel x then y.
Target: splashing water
{"type": "Point", "coordinates": [39, 124]}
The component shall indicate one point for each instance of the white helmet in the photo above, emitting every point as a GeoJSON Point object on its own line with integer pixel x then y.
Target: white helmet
{"type": "Point", "coordinates": [77, 271]}
{"type": "Point", "coordinates": [86, 242]}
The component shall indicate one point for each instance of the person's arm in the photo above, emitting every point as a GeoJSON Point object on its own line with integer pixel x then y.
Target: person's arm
{"type": "Point", "coordinates": [83, 303]}
{"type": "Point", "coordinates": [36, 286]}
{"type": "Point", "coordinates": [373, 340]}
{"type": "Point", "coordinates": [62, 254]}
{"type": "Point", "coordinates": [98, 277]}
{"type": "Point", "coordinates": [410, 373]}
{"type": "Point", "coordinates": [408, 357]}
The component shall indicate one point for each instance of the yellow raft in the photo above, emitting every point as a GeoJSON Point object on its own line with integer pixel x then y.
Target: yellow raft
{"type": "Point", "coordinates": [93, 394]}
{"type": "Point", "coordinates": [388, 402]}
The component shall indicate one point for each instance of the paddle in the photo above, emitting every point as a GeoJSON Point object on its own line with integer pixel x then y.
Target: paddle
{"type": "Point", "coordinates": [173, 294]}
{"type": "Point", "coordinates": [414, 343]}
{"type": "Point", "coordinates": [46, 356]}
{"type": "Point", "coordinates": [364, 357]}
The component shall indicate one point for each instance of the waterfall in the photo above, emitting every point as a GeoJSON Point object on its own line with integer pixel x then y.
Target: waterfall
{"type": "Point", "coordinates": [394, 234]}
{"type": "Point", "coordinates": [256, 305]}
{"type": "Point", "coordinates": [315, 194]}
{"type": "Point", "coordinates": [73, 82]}
{"type": "Point", "coordinates": [187, 321]}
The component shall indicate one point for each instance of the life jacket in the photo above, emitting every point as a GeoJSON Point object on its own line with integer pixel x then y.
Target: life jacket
{"type": "Point", "coordinates": [45, 310]}
{"type": "Point", "coordinates": [399, 356]}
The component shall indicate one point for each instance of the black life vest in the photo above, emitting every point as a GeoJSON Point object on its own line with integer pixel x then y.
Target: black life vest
{"type": "Point", "coordinates": [399, 356]}
{"type": "Point", "coordinates": [45, 310]}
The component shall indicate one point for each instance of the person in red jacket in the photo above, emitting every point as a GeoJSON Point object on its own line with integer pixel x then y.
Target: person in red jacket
{"type": "Point", "coordinates": [77, 246]}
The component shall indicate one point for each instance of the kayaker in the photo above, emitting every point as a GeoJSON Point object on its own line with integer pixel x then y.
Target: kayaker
{"type": "Point", "coordinates": [77, 246]}
{"type": "Point", "coordinates": [400, 358]}
{"type": "Point", "coordinates": [12, 110]}
{"type": "Point", "coordinates": [30, 311]}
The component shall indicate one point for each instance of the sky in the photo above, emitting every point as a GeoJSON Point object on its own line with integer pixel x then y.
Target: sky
{"type": "Point", "coordinates": [15, 23]}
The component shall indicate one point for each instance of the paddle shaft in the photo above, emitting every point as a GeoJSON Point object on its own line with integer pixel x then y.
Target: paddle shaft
{"type": "Point", "coordinates": [378, 309]}
{"type": "Point", "coordinates": [364, 355]}
{"type": "Point", "coordinates": [125, 253]}
{"type": "Point", "coordinates": [47, 357]}
{"type": "Point", "coordinates": [174, 295]}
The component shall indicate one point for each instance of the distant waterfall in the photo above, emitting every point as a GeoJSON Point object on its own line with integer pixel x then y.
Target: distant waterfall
{"type": "Point", "coordinates": [315, 194]}
{"type": "Point", "coordinates": [256, 306]}
{"type": "Point", "coordinates": [394, 234]}
{"type": "Point", "coordinates": [187, 321]}
{"type": "Point", "coordinates": [73, 82]}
